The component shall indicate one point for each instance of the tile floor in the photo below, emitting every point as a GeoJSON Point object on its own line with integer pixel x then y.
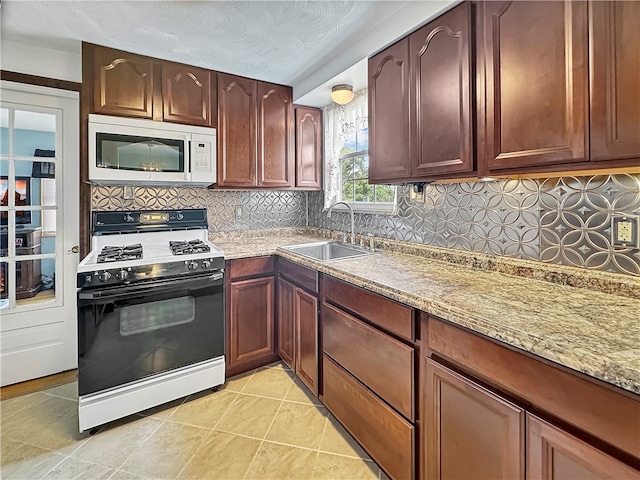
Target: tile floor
{"type": "Point", "coordinates": [262, 425]}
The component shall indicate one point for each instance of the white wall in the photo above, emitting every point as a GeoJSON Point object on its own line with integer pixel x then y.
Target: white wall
{"type": "Point", "coordinates": [41, 61]}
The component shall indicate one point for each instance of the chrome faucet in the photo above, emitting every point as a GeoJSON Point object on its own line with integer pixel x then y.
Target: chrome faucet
{"type": "Point", "coordinates": [353, 234]}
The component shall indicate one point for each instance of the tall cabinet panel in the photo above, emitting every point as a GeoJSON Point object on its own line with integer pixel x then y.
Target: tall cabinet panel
{"type": "Point", "coordinates": [275, 136]}
{"type": "Point", "coordinates": [236, 131]}
{"type": "Point", "coordinates": [442, 93]}
{"type": "Point", "coordinates": [308, 147]}
{"type": "Point", "coordinates": [186, 94]}
{"type": "Point", "coordinates": [615, 80]}
{"type": "Point", "coordinates": [389, 124]}
{"type": "Point", "coordinates": [533, 62]}
{"type": "Point", "coordinates": [122, 83]}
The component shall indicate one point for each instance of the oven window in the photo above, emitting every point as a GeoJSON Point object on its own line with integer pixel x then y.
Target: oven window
{"type": "Point", "coordinates": [126, 152]}
{"type": "Point", "coordinates": [147, 317]}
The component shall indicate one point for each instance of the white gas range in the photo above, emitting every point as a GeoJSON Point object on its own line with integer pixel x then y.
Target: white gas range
{"type": "Point", "coordinates": [150, 313]}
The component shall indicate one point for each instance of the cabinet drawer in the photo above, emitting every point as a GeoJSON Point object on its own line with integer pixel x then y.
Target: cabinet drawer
{"type": "Point", "coordinates": [386, 436]}
{"type": "Point", "coordinates": [249, 267]}
{"type": "Point", "coordinates": [302, 276]}
{"type": "Point", "coordinates": [382, 363]}
{"type": "Point", "coordinates": [390, 315]}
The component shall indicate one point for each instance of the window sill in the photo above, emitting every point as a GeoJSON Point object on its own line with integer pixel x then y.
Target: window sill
{"type": "Point", "coordinates": [372, 208]}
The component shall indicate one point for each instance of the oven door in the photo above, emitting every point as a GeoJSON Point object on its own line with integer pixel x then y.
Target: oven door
{"type": "Point", "coordinates": [128, 333]}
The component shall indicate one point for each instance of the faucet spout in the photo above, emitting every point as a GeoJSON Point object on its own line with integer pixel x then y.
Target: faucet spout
{"type": "Point", "coordinates": [353, 234]}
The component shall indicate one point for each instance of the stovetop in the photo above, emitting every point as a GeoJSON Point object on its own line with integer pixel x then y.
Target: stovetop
{"type": "Point", "coordinates": [112, 253]}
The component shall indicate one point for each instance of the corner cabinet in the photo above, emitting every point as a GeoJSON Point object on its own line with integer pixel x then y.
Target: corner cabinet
{"type": "Point", "coordinates": [255, 134]}
{"type": "Point", "coordinates": [308, 129]}
{"type": "Point", "coordinates": [297, 321]}
{"type": "Point", "coordinates": [422, 95]}
{"type": "Point", "coordinates": [187, 94]}
{"type": "Point", "coordinates": [250, 298]}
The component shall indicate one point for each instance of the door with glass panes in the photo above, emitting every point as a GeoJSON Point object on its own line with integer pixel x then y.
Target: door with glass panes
{"type": "Point", "coordinates": [38, 230]}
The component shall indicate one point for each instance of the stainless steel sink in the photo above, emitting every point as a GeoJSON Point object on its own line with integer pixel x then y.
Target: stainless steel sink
{"type": "Point", "coordinates": [326, 251]}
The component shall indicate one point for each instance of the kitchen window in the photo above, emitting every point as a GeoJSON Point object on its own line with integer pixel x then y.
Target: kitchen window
{"type": "Point", "coordinates": [347, 160]}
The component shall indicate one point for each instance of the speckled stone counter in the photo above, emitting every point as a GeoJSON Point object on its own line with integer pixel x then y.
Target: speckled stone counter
{"type": "Point", "coordinates": [590, 331]}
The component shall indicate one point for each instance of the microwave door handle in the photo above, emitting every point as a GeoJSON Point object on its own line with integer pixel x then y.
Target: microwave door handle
{"type": "Point", "coordinates": [187, 157]}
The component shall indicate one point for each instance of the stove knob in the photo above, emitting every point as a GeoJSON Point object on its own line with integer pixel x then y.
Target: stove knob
{"type": "Point", "coordinates": [192, 265]}
{"type": "Point", "coordinates": [104, 276]}
{"type": "Point", "coordinates": [88, 279]}
{"type": "Point", "coordinates": [206, 264]}
{"type": "Point", "coordinates": [179, 216]}
{"type": "Point", "coordinates": [122, 275]}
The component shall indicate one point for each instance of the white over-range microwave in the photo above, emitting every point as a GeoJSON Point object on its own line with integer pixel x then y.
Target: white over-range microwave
{"type": "Point", "coordinates": [143, 152]}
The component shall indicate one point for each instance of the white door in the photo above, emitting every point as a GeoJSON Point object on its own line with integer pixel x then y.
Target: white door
{"type": "Point", "coordinates": [39, 160]}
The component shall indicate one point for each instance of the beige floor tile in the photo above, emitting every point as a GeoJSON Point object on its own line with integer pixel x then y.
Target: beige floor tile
{"type": "Point", "coordinates": [122, 475]}
{"type": "Point", "coordinates": [50, 424]}
{"type": "Point", "coordinates": [336, 467]}
{"type": "Point", "coordinates": [12, 405]}
{"type": "Point", "coordinates": [337, 440]}
{"type": "Point", "coordinates": [72, 469]}
{"type": "Point", "coordinates": [204, 411]}
{"type": "Point", "coordinates": [7, 446]}
{"type": "Point", "coordinates": [222, 455]}
{"type": "Point", "coordinates": [236, 384]}
{"type": "Point", "coordinates": [281, 462]}
{"type": "Point", "coordinates": [273, 382]}
{"type": "Point", "coordinates": [300, 393]}
{"type": "Point", "coordinates": [299, 425]}
{"type": "Point", "coordinates": [114, 443]}
{"type": "Point", "coordinates": [166, 452]}
{"type": "Point", "coordinates": [68, 390]}
{"type": "Point", "coordinates": [249, 415]}
{"type": "Point", "coordinates": [29, 462]}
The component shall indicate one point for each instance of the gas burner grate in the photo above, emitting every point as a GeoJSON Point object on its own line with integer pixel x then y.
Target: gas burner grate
{"type": "Point", "coordinates": [187, 248]}
{"type": "Point", "coordinates": [119, 253]}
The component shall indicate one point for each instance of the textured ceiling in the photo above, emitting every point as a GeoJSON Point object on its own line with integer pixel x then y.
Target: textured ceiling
{"type": "Point", "coordinates": [277, 41]}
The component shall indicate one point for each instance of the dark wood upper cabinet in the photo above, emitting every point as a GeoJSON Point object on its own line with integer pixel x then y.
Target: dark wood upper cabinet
{"type": "Point", "coordinates": [389, 114]}
{"type": "Point", "coordinates": [123, 83]}
{"type": "Point", "coordinates": [553, 454]}
{"type": "Point", "coordinates": [615, 80]}
{"type": "Point", "coordinates": [472, 432]}
{"type": "Point", "coordinates": [237, 107]}
{"type": "Point", "coordinates": [532, 60]}
{"type": "Point", "coordinates": [275, 136]}
{"type": "Point", "coordinates": [186, 94]}
{"type": "Point", "coordinates": [308, 128]}
{"type": "Point", "coordinates": [442, 94]}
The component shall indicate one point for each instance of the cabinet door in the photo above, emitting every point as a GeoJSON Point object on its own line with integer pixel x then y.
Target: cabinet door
{"type": "Point", "coordinates": [275, 136]}
{"type": "Point", "coordinates": [533, 60]}
{"type": "Point", "coordinates": [186, 94]}
{"type": "Point", "coordinates": [306, 314]}
{"type": "Point", "coordinates": [122, 83]}
{"type": "Point", "coordinates": [286, 323]}
{"type": "Point", "coordinates": [236, 131]}
{"type": "Point", "coordinates": [471, 432]}
{"type": "Point", "coordinates": [615, 80]}
{"type": "Point", "coordinates": [308, 148]}
{"type": "Point", "coordinates": [389, 123]}
{"type": "Point", "coordinates": [555, 454]}
{"type": "Point", "coordinates": [250, 322]}
{"type": "Point", "coordinates": [442, 94]}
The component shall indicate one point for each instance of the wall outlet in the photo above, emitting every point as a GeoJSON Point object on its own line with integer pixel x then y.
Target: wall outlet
{"type": "Point", "coordinates": [238, 211]}
{"type": "Point", "coordinates": [624, 230]}
{"type": "Point", "coordinates": [129, 192]}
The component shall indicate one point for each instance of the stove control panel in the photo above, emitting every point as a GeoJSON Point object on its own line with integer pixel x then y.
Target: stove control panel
{"type": "Point", "coordinates": [125, 275]}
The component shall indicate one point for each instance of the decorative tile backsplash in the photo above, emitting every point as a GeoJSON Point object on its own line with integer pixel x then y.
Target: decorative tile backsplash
{"type": "Point", "coordinates": [557, 220]}
{"type": "Point", "coordinates": [259, 209]}
{"type": "Point", "coordinates": [561, 220]}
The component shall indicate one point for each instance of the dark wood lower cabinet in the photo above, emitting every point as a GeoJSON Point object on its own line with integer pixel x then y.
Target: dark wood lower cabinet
{"type": "Point", "coordinates": [387, 437]}
{"type": "Point", "coordinates": [286, 323]}
{"type": "Point", "coordinates": [250, 316]}
{"type": "Point", "coordinates": [554, 454]}
{"type": "Point", "coordinates": [469, 431]}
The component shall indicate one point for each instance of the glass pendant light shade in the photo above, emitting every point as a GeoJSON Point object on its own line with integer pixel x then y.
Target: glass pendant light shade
{"type": "Point", "coordinates": [342, 94]}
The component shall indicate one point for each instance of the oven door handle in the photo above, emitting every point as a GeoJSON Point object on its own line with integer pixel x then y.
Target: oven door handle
{"type": "Point", "coordinates": [153, 287]}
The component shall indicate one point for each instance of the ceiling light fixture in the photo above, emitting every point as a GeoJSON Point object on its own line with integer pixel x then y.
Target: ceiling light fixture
{"type": "Point", "coordinates": [342, 94]}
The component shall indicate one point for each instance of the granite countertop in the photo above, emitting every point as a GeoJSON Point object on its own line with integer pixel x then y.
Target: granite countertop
{"type": "Point", "coordinates": [590, 331]}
